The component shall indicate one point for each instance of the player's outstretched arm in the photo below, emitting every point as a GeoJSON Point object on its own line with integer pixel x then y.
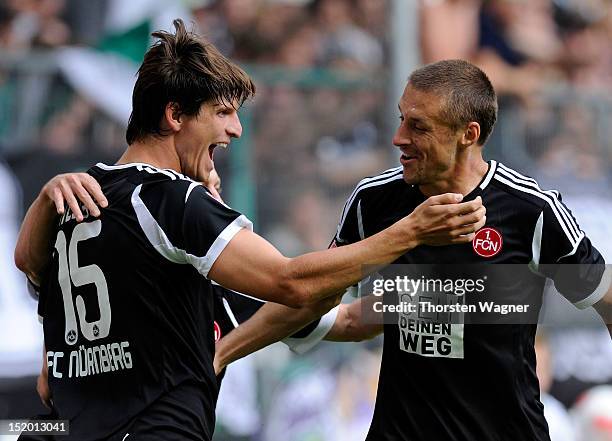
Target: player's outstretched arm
{"type": "Point", "coordinates": [33, 248]}
{"type": "Point", "coordinates": [271, 323]}
{"type": "Point", "coordinates": [274, 322]}
{"type": "Point", "coordinates": [251, 265]}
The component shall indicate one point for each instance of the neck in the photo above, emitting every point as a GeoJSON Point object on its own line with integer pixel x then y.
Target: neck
{"type": "Point", "coordinates": [463, 177]}
{"type": "Point", "coordinates": [158, 152]}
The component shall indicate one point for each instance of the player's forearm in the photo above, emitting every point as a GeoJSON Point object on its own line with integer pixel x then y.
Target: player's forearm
{"type": "Point", "coordinates": [437, 221]}
{"type": "Point", "coordinates": [33, 247]}
{"type": "Point", "coordinates": [307, 279]}
{"type": "Point", "coordinates": [356, 322]}
{"type": "Point", "coordinates": [321, 274]}
{"type": "Point", "coordinates": [273, 322]}
{"type": "Point", "coordinates": [268, 325]}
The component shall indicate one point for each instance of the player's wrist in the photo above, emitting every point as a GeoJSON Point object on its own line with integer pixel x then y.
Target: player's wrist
{"type": "Point", "coordinates": [406, 235]}
{"type": "Point", "coordinates": [45, 202]}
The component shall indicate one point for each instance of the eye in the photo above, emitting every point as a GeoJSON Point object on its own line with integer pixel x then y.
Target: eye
{"type": "Point", "coordinates": [225, 111]}
{"type": "Point", "coordinates": [419, 128]}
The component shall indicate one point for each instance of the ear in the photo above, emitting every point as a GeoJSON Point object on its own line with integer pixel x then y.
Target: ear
{"type": "Point", "coordinates": [172, 117]}
{"type": "Point", "coordinates": [471, 134]}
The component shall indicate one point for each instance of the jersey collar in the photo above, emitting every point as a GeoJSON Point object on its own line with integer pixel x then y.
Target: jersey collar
{"type": "Point", "coordinates": [486, 179]}
{"type": "Point", "coordinates": [123, 166]}
{"type": "Point", "coordinates": [489, 175]}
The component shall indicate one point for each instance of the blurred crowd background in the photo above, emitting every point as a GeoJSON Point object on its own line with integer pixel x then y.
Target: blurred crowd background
{"type": "Point", "coordinates": [327, 73]}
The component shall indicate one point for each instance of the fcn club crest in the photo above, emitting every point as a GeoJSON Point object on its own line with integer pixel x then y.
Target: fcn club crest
{"type": "Point", "coordinates": [487, 242]}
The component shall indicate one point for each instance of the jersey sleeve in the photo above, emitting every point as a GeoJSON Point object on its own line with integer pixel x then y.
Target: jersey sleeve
{"type": "Point", "coordinates": [185, 223]}
{"type": "Point", "coordinates": [308, 337]}
{"type": "Point", "coordinates": [568, 257]}
{"type": "Point", "coordinates": [208, 226]}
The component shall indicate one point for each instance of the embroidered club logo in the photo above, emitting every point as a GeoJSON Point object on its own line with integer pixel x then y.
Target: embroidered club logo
{"type": "Point", "coordinates": [71, 336]}
{"type": "Point", "coordinates": [487, 242]}
{"type": "Point", "coordinates": [217, 330]}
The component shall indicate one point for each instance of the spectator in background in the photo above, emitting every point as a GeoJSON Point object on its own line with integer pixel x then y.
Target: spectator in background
{"type": "Point", "coordinates": [559, 423]}
{"type": "Point", "coordinates": [586, 30]}
{"type": "Point", "coordinates": [523, 45]}
{"type": "Point", "coordinates": [448, 29]}
{"type": "Point", "coordinates": [280, 21]}
{"type": "Point", "coordinates": [371, 15]}
{"type": "Point", "coordinates": [520, 31]}
{"type": "Point", "coordinates": [301, 47]}
{"type": "Point", "coordinates": [280, 111]}
{"type": "Point", "coordinates": [298, 233]}
{"type": "Point", "coordinates": [572, 152]}
{"type": "Point", "coordinates": [6, 18]}
{"type": "Point", "coordinates": [240, 17]}
{"type": "Point", "coordinates": [346, 45]}
{"type": "Point", "coordinates": [488, 33]}
{"type": "Point", "coordinates": [63, 133]}
{"type": "Point", "coordinates": [35, 23]}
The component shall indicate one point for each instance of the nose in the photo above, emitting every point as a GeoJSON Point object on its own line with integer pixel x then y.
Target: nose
{"type": "Point", "coordinates": [400, 137]}
{"type": "Point", "coordinates": [234, 128]}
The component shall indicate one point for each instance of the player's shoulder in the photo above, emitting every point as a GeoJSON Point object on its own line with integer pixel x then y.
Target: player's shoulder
{"type": "Point", "coordinates": [144, 176]}
{"type": "Point", "coordinates": [376, 184]}
{"type": "Point", "coordinates": [383, 178]}
{"type": "Point", "coordinates": [139, 169]}
{"type": "Point", "coordinates": [521, 189]}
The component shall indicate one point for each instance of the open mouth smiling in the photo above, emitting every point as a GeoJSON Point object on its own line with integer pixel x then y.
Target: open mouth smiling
{"type": "Point", "coordinates": [409, 157]}
{"type": "Point", "coordinates": [211, 148]}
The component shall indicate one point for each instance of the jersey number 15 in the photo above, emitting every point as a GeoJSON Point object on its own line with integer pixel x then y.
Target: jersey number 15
{"type": "Point", "coordinates": [69, 269]}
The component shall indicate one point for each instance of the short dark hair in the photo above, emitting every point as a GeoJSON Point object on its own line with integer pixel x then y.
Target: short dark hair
{"type": "Point", "coordinates": [467, 92]}
{"type": "Point", "coordinates": [184, 69]}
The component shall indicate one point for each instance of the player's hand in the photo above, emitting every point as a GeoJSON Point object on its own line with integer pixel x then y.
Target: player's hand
{"type": "Point", "coordinates": [42, 386]}
{"type": "Point", "coordinates": [213, 184]}
{"type": "Point", "coordinates": [443, 220]}
{"type": "Point", "coordinates": [71, 188]}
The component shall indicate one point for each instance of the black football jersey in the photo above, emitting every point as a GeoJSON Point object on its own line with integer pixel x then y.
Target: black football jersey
{"type": "Point", "coordinates": [128, 309]}
{"type": "Point", "coordinates": [471, 382]}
